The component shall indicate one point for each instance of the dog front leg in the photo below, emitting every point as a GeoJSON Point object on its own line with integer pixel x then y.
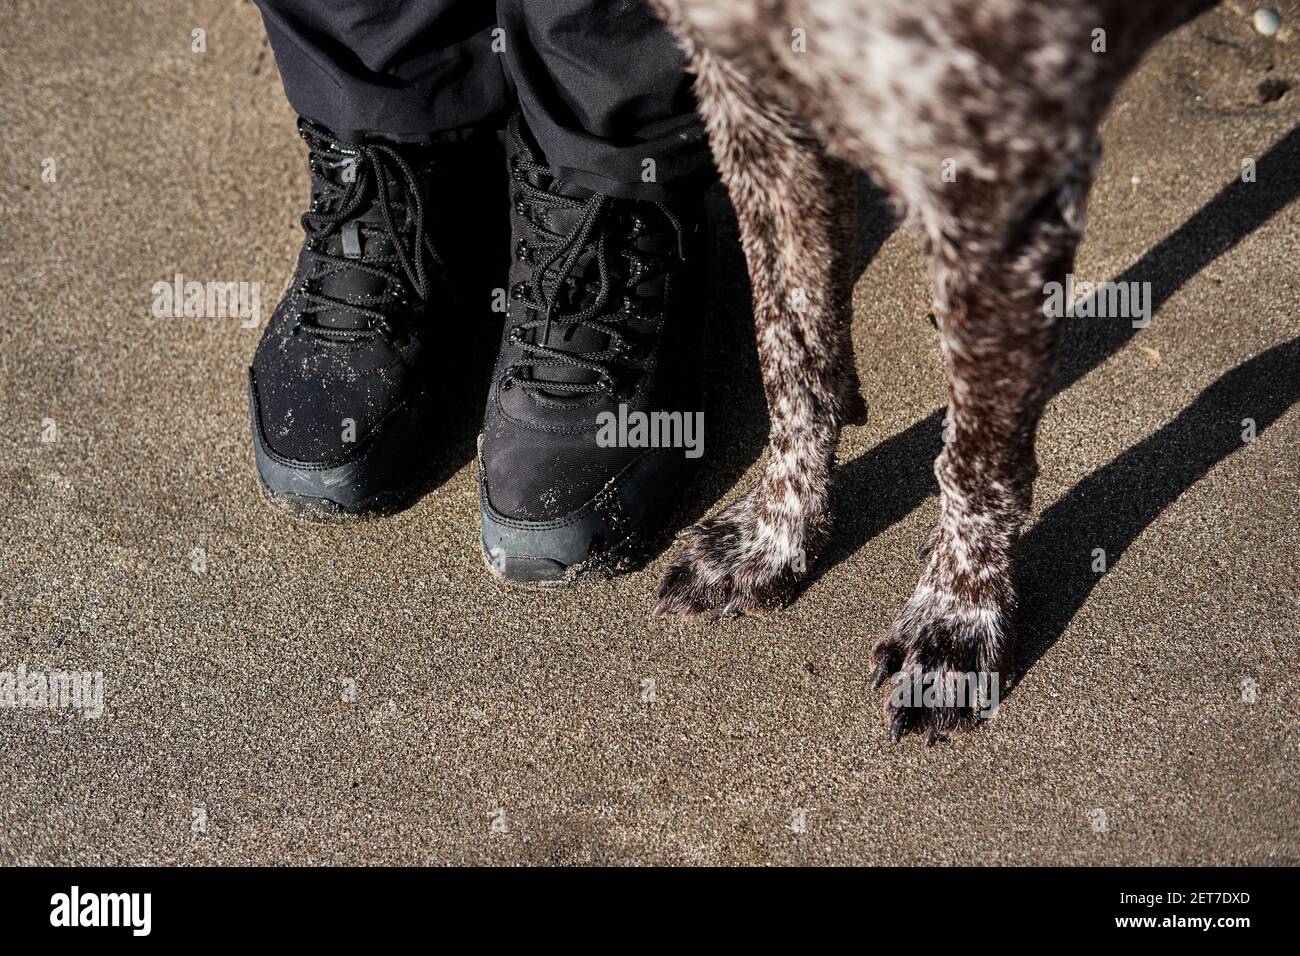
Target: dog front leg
{"type": "Point", "coordinates": [794, 206]}
{"type": "Point", "coordinates": [952, 647]}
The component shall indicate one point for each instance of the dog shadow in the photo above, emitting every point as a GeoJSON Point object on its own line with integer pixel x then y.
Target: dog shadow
{"type": "Point", "coordinates": [1111, 507]}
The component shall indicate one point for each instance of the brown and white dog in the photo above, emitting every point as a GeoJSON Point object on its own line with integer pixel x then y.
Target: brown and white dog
{"type": "Point", "coordinates": [980, 117]}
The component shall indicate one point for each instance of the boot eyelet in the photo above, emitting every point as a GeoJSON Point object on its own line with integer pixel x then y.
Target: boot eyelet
{"type": "Point", "coordinates": [519, 291]}
{"type": "Point", "coordinates": [522, 252]}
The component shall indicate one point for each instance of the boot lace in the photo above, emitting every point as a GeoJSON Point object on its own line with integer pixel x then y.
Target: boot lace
{"type": "Point", "coordinates": [380, 176]}
{"type": "Point", "coordinates": [557, 293]}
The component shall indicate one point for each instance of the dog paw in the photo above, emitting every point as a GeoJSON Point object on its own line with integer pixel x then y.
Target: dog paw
{"type": "Point", "coordinates": [949, 659]}
{"type": "Point", "coordinates": [744, 561]}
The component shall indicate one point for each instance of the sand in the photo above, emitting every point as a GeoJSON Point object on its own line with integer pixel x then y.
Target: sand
{"type": "Point", "coordinates": [281, 692]}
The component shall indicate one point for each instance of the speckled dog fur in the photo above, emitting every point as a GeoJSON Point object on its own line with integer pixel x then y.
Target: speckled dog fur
{"type": "Point", "coordinates": [1005, 97]}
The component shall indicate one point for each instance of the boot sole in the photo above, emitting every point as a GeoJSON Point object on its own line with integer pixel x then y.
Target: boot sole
{"type": "Point", "coordinates": [383, 476]}
{"type": "Point", "coordinates": [631, 511]}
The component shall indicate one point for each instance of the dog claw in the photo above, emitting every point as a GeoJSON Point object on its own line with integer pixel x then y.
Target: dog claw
{"type": "Point", "coordinates": [731, 610]}
{"type": "Point", "coordinates": [931, 737]}
{"type": "Point", "coordinates": [880, 676]}
{"type": "Point", "coordinates": [898, 726]}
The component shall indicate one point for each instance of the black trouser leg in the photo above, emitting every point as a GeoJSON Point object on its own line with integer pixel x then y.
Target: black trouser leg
{"type": "Point", "coordinates": [403, 69]}
{"type": "Point", "coordinates": [604, 91]}
{"type": "Point", "coordinates": [601, 83]}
